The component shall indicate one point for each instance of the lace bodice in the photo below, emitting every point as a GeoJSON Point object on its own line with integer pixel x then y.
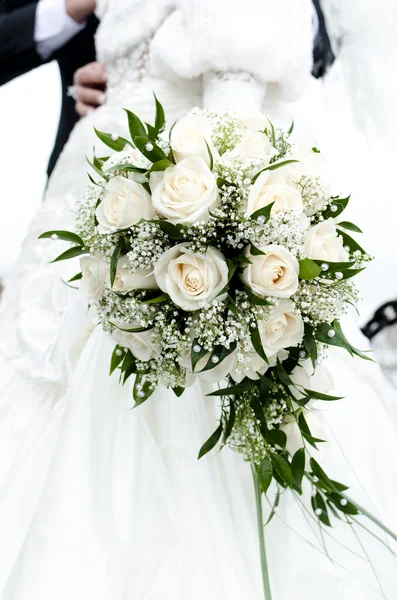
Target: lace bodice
{"type": "Point", "coordinates": [188, 39]}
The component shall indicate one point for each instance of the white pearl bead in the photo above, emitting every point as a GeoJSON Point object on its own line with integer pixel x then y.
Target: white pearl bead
{"type": "Point", "coordinates": [315, 479]}
{"type": "Point", "coordinates": [139, 386]}
{"type": "Point", "coordinates": [149, 147]}
{"type": "Point", "coordinates": [319, 361]}
{"type": "Point", "coordinates": [324, 267]}
{"type": "Point", "coordinates": [343, 502]}
{"type": "Point", "coordinates": [261, 219]}
{"type": "Point", "coordinates": [54, 237]}
{"type": "Point", "coordinates": [141, 394]}
{"type": "Point", "coordinates": [338, 275]}
{"type": "Point", "coordinates": [347, 248]}
{"type": "Point", "coordinates": [215, 359]}
{"type": "Point", "coordinates": [331, 333]}
{"type": "Point", "coordinates": [115, 137]}
{"type": "Point", "coordinates": [334, 208]}
{"type": "Point", "coordinates": [302, 354]}
{"type": "Point", "coordinates": [318, 511]}
{"type": "Point", "coordinates": [119, 352]}
{"type": "Point", "coordinates": [196, 348]}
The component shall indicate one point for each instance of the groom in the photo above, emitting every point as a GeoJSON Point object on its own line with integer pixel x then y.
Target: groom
{"type": "Point", "coordinates": [34, 32]}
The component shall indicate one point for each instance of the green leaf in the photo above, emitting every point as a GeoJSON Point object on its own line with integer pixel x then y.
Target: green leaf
{"type": "Point", "coordinates": [66, 236]}
{"type": "Point", "coordinates": [235, 390]}
{"type": "Point", "coordinates": [118, 144]}
{"type": "Point", "coordinates": [135, 125]}
{"type": "Point", "coordinates": [157, 300]}
{"type": "Point", "coordinates": [254, 251]}
{"type": "Point", "coordinates": [113, 264]}
{"type": "Point", "coordinates": [161, 165]}
{"type": "Point", "coordinates": [315, 150]}
{"type": "Point", "coordinates": [306, 433]}
{"type": "Point", "coordinates": [210, 155]}
{"type": "Point", "coordinates": [333, 267]}
{"type": "Point", "coordinates": [317, 502]}
{"type": "Point", "coordinates": [76, 277]}
{"type": "Point", "coordinates": [173, 231]}
{"type": "Point", "coordinates": [274, 507]}
{"type": "Point", "coordinates": [318, 396]}
{"type": "Point", "coordinates": [154, 155]}
{"type": "Point", "coordinates": [349, 241]}
{"type": "Point", "coordinates": [256, 300]}
{"type": "Point", "coordinates": [152, 132]}
{"type": "Point", "coordinates": [232, 268]}
{"type": "Point", "coordinates": [262, 212]}
{"type": "Point", "coordinates": [273, 167]}
{"type": "Point", "coordinates": [298, 467]}
{"type": "Point", "coordinates": [71, 253]}
{"type": "Point", "coordinates": [283, 375]}
{"type": "Point", "coordinates": [265, 474]}
{"type": "Point", "coordinates": [322, 335]}
{"type": "Point", "coordinates": [126, 167]}
{"type": "Point", "coordinates": [96, 168]}
{"type": "Point", "coordinates": [349, 274]}
{"type": "Point", "coordinates": [197, 356]}
{"type": "Point", "coordinates": [141, 395]}
{"type": "Point", "coordinates": [308, 269]}
{"type": "Point", "coordinates": [257, 343]}
{"type": "Point", "coordinates": [178, 391]}
{"type": "Point", "coordinates": [160, 116]}
{"type": "Point", "coordinates": [282, 468]}
{"type": "Point", "coordinates": [340, 204]}
{"type": "Point", "coordinates": [221, 352]}
{"type": "Point", "coordinates": [276, 437]}
{"type": "Point", "coordinates": [349, 226]}
{"type": "Point", "coordinates": [291, 129]}
{"type": "Point", "coordinates": [231, 419]}
{"type": "Point", "coordinates": [116, 359]}
{"type": "Point", "coordinates": [93, 181]}
{"type": "Point", "coordinates": [211, 442]}
{"type": "Point", "coordinates": [309, 343]}
{"type": "Point", "coordinates": [321, 475]}
{"type": "Point", "coordinates": [133, 330]}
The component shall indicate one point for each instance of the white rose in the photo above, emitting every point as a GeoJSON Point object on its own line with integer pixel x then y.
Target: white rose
{"type": "Point", "coordinates": [254, 144]}
{"type": "Point", "coordinates": [311, 164]}
{"type": "Point", "coordinates": [304, 376]}
{"type": "Point", "coordinates": [142, 345]}
{"type": "Point", "coordinates": [184, 193]}
{"type": "Point", "coordinates": [127, 155]}
{"type": "Point", "coordinates": [273, 274]}
{"type": "Point", "coordinates": [190, 278]}
{"type": "Point", "coordinates": [189, 138]}
{"type": "Point", "coordinates": [323, 243]}
{"type": "Point", "coordinates": [127, 281]}
{"type": "Point", "coordinates": [124, 203]}
{"type": "Point", "coordinates": [94, 270]}
{"type": "Point", "coordinates": [283, 329]}
{"type": "Point", "coordinates": [254, 364]}
{"type": "Point", "coordinates": [269, 188]}
{"type": "Point", "coordinates": [254, 121]}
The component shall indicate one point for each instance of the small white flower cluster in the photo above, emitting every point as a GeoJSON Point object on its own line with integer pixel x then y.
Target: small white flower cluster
{"type": "Point", "coordinates": [148, 243]}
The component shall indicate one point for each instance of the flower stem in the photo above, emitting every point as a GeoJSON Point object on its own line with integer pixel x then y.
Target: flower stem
{"type": "Point", "coordinates": [261, 535]}
{"type": "Point", "coordinates": [371, 517]}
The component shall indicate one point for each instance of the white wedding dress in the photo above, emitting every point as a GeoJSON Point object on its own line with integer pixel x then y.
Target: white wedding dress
{"type": "Point", "coordinates": [100, 501]}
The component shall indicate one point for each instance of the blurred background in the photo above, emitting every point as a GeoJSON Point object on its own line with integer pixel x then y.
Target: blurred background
{"type": "Point", "coordinates": [30, 108]}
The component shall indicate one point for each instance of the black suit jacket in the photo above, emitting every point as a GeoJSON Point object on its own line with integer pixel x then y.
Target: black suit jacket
{"type": "Point", "coordinates": [18, 55]}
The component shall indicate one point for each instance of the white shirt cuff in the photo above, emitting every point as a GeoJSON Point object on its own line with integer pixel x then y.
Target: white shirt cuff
{"type": "Point", "coordinates": [53, 27]}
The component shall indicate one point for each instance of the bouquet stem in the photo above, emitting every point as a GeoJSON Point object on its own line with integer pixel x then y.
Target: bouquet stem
{"type": "Point", "coordinates": [261, 535]}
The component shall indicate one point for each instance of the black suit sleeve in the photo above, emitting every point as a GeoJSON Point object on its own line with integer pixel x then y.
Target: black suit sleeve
{"type": "Point", "coordinates": [17, 46]}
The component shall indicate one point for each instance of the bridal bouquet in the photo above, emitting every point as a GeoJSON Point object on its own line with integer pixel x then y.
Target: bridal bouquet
{"type": "Point", "coordinates": [216, 251]}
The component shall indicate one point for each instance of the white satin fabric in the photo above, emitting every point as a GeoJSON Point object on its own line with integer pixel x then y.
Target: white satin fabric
{"type": "Point", "coordinates": [100, 501]}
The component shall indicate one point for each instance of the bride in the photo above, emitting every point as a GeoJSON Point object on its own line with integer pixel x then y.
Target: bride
{"type": "Point", "coordinates": [98, 501]}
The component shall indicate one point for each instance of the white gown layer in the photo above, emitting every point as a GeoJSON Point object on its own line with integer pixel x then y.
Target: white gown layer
{"type": "Point", "coordinates": [100, 501]}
